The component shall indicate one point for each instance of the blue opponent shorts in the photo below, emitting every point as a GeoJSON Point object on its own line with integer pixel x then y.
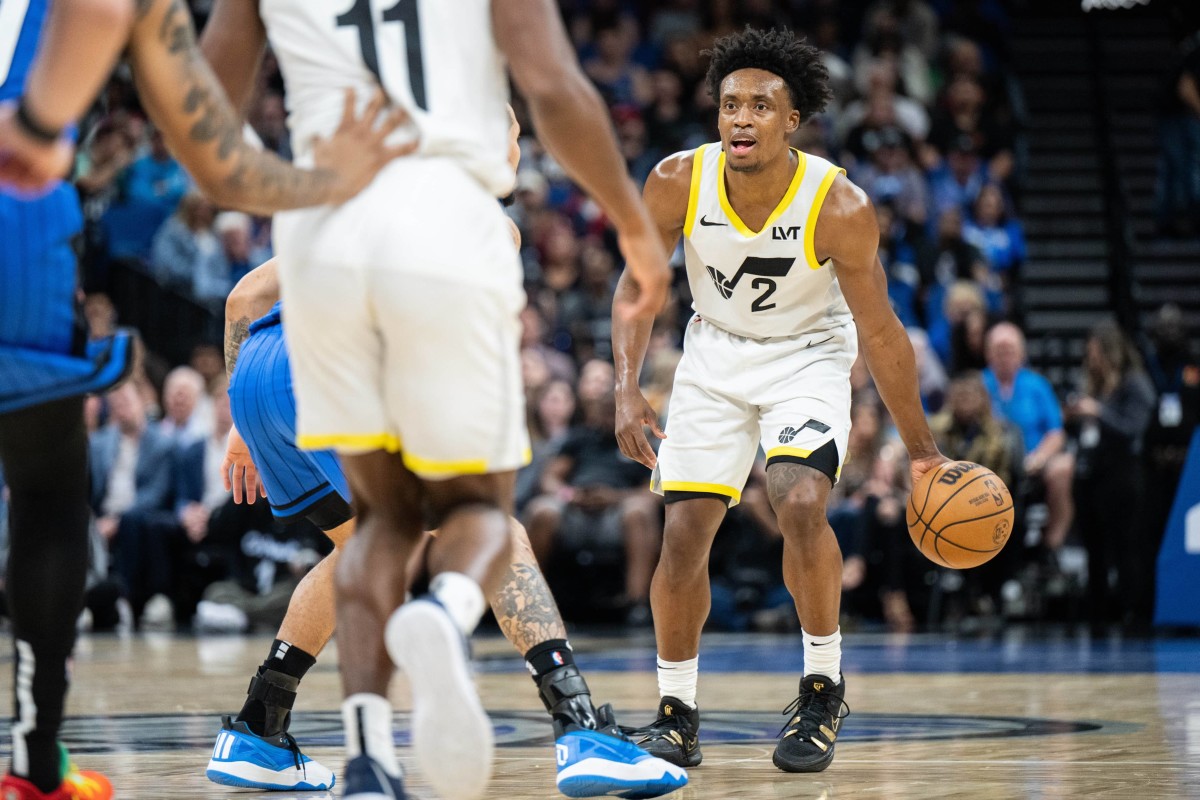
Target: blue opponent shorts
{"type": "Point", "coordinates": [298, 482]}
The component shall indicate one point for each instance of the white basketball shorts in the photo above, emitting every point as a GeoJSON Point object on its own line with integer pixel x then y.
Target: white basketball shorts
{"type": "Point", "coordinates": [789, 394]}
{"type": "Point", "coordinates": [401, 309]}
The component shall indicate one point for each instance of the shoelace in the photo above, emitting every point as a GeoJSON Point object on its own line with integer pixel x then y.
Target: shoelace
{"type": "Point", "coordinates": [294, 748]}
{"type": "Point", "coordinates": [807, 711]}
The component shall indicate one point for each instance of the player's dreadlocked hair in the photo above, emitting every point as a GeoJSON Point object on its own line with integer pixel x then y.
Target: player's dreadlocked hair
{"type": "Point", "coordinates": [779, 52]}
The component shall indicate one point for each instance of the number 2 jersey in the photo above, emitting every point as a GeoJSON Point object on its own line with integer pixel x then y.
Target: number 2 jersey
{"type": "Point", "coordinates": [767, 283]}
{"type": "Point", "coordinates": [437, 60]}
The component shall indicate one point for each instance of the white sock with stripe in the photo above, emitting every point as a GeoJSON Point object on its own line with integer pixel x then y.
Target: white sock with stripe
{"type": "Point", "coordinates": [461, 597]}
{"type": "Point", "coordinates": [823, 655]}
{"type": "Point", "coordinates": [678, 679]}
{"type": "Point", "coordinates": [368, 722]}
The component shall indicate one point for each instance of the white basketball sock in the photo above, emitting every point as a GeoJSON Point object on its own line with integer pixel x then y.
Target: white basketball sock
{"type": "Point", "coordinates": [678, 679]}
{"type": "Point", "coordinates": [823, 655]}
{"type": "Point", "coordinates": [368, 722]}
{"type": "Point", "coordinates": [461, 597]}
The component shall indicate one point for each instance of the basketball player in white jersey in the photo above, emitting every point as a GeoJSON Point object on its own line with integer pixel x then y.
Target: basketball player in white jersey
{"type": "Point", "coordinates": [417, 384]}
{"type": "Point", "coordinates": [781, 257]}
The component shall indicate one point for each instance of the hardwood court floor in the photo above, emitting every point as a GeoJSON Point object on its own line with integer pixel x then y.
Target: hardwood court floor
{"type": "Point", "coordinates": [932, 717]}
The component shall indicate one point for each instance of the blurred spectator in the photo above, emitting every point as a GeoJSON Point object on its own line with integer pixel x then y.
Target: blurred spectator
{"type": "Point", "coordinates": [150, 190]}
{"type": "Point", "coordinates": [1112, 415]}
{"type": "Point", "coordinates": [620, 81]}
{"type": "Point", "coordinates": [596, 498]}
{"type": "Point", "coordinates": [883, 43]}
{"type": "Point", "coordinates": [268, 117]}
{"type": "Point", "coordinates": [208, 360]}
{"type": "Point", "coordinates": [1026, 400]}
{"type": "Point", "coordinates": [966, 430]}
{"type": "Point", "coordinates": [186, 253]}
{"type": "Point", "coordinates": [585, 311]}
{"type": "Point", "coordinates": [995, 234]}
{"type": "Point", "coordinates": [533, 341]}
{"type": "Point", "coordinates": [187, 411]}
{"type": "Point", "coordinates": [897, 257]}
{"type": "Point", "coordinates": [931, 376]}
{"type": "Point", "coordinates": [1177, 193]}
{"type": "Point", "coordinates": [960, 301]}
{"type": "Point", "coordinates": [131, 485]}
{"type": "Point", "coordinates": [956, 183]}
{"type": "Point", "coordinates": [1174, 368]}
{"type": "Point", "coordinates": [917, 23]}
{"type": "Point", "coordinates": [965, 117]}
{"type": "Point", "coordinates": [596, 379]}
{"type": "Point", "coordinates": [880, 107]}
{"type": "Point", "coordinates": [551, 411]}
{"type": "Point", "coordinates": [890, 176]}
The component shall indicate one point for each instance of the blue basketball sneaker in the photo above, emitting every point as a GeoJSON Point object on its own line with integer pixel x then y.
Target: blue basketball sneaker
{"type": "Point", "coordinates": [366, 780]}
{"type": "Point", "coordinates": [243, 758]}
{"type": "Point", "coordinates": [596, 764]}
{"type": "Point", "coordinates": [594, 758]}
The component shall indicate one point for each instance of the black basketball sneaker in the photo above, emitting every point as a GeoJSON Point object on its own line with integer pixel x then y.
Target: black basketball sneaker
{"type": "Point", "coordinates": [674, 736]}
{"type": "Point", "coordinates": [816, 715]}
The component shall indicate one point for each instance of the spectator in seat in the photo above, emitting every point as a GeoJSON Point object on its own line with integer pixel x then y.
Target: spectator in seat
{"type": "Point", "coordinates": [131, 485]}
{"type": "Point", "coordinates": [1177, 191]}
{"type": "Point", "coordinates": [186, 251]}
{"type": "Point", "coordinates": [151, 188]}
{"type": "Point", "coordinates": [596, 497]}
{"type": "Point", "coordinates": [965, 429]}
{"type": "Point", "coordinates": [996, 234]}
{"type": "Point", "coordinates": [1028, 402]}
{"type": "Point", "coordinates": [188, 412]}
{"type": "Point", "coordinates": [1112, 414]}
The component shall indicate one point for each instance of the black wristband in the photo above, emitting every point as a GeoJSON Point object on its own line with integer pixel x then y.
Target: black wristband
{"type": "Point", "coordinates": [32, 128]}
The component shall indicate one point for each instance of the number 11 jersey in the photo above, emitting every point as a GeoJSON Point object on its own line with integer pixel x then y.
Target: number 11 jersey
{"type": "Point", "coordinates": [767, 283]}
{"type": "Point", "coordinates": [437, 60]}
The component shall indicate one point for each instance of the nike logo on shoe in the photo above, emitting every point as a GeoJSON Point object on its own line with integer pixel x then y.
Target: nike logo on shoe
{"type": "Point", "coordinates": [704, 221]}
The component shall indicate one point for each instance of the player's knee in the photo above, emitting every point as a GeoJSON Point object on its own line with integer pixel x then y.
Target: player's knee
{"type": "Point", "coordinates": [801, 508]}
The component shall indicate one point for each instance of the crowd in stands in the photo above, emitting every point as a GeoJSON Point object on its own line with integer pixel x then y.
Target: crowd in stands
{"type": "Point", "coordinates": [925, 118]}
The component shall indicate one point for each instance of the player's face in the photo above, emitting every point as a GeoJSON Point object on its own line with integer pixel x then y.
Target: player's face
{"type": "Point", "coordinates": [756, 119]}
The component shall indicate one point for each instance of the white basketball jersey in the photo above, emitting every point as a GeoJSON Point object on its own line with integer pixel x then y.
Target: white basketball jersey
{"type": "Point", "coordinates": [766, 283]}
{"type": "Point", "coordinates": [436, 59]}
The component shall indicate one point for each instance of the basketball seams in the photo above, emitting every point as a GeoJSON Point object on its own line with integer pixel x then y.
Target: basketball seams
{"type": "Point", "coordinates": [917, 517]}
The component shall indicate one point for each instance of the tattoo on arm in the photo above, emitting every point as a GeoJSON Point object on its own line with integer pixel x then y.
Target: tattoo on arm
{"type": "Point", "coordinates": [525, 608]}
{"type": "Point", "coordinates": [236, 332]}
{"type": "Point", "coordinates": [261, 180]}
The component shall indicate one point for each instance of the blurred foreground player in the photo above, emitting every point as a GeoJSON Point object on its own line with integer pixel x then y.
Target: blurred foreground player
{"type": "Point", "coordinates": [418, 386]}
{"type": "Point", "coordinates": [781, 258]}
{"type": "Point", "coordinates": [46, 361]}
{"type": "Point", "coordinates": [254, 749]}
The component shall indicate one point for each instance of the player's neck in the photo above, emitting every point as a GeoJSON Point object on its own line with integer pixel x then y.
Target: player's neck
{"type": "Point", "coordinates": [762, 187]}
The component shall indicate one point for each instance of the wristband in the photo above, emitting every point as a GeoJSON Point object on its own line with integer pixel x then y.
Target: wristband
{"type": "Point", "coordinates": [32, 128]}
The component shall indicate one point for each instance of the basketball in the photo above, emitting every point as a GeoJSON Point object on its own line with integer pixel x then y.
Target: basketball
{"type": "Point", "coordinates": [960, 514]}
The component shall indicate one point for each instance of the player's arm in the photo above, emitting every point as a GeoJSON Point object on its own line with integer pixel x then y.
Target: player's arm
{"type": "Point", "coordinates": [848, 233]}
{"type": "Point", "coordinates": [252, 298]}
{"type": "Point", "coordinates": [573, 124]}
{"type": "Point", "coordinates": [666, 198]}
{"type": "Point", "coordinates": [233, 43]}
{"type": "Point", "coordinates": [182, 97]}
{"type": "Point", "coordinates": [79, 45]}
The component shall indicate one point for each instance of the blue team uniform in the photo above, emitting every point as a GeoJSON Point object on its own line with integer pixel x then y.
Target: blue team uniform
{"type": "Point", "coordinates": [44, 351]}
{"type": "Point", "coordinates": [264, 411]}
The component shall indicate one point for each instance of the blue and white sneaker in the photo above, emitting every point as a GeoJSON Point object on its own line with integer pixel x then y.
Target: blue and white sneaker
{"type": "Point", "coordinates": [595, 764]}
{"type": "Point", "coordinates": [365, 779]}
{"type": "Point", "coordinates": [243, 758]}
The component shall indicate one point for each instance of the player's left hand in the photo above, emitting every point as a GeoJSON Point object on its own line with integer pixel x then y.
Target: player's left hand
{"type": "Point", "coordinates": [27, 164]}
{"type": "Point", "coordinates": [922, 465]}
{"type": "Point", "coordinates": [238, 470]}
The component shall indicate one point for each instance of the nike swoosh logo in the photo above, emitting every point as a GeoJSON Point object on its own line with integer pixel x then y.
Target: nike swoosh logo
{"type": "Point", "coordinates": [812, 344]}
{"type": "Point", "coordinates": [704, 221]}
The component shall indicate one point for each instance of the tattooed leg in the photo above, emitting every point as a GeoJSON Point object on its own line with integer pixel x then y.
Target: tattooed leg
{"type": "Point", "coordinates": [524, 607]}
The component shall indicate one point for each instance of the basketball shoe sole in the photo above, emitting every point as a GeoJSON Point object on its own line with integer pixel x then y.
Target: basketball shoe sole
{"type": "Point", "coordinates": [452, 735]}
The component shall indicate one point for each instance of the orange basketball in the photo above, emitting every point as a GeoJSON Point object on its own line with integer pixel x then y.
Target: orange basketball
{"type": "Point", "coordinates": [960, 514]}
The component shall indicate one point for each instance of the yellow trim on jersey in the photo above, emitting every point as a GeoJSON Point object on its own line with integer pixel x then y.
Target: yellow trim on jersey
{"type": "Point", "coordinates": [710, 488]}
{"type": "Point", "coordinates": [352, 441]}
{"type": "Point", "coordinates": [810, 225]}
{"type": "Point", "coordinates": [788, 451]}
{"type": "Point", "coordinates": [694, 193]}
{"type": "Point", "coordinates": [788, 196]}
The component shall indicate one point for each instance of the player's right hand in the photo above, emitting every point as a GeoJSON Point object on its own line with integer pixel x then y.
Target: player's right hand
{"type": "Point", "coordinates": [634, 413]}
{"type": "Point", "coordinates": [238, 470]}
{"type": "Point", "coordinates": [646, 262]}
{"type": "Point", "coordinates": [358, 148]}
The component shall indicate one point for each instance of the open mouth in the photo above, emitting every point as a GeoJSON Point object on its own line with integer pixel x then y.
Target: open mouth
{"type": "Point", "coordinates": [741, 144]}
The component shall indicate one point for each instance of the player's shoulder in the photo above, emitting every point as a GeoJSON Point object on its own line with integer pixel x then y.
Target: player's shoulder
{"type": "Point", "coordinates": [668, 186]}
{"type": "Point", "coordinates": [675, 170]}
{"type": "Point", "coordinates": [846, 202]}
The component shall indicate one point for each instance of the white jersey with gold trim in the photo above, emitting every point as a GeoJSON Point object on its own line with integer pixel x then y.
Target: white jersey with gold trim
{"type": "Point", "coordinates": [436, 60]}
{"type": "Point", "coordinates": [767, 283]}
